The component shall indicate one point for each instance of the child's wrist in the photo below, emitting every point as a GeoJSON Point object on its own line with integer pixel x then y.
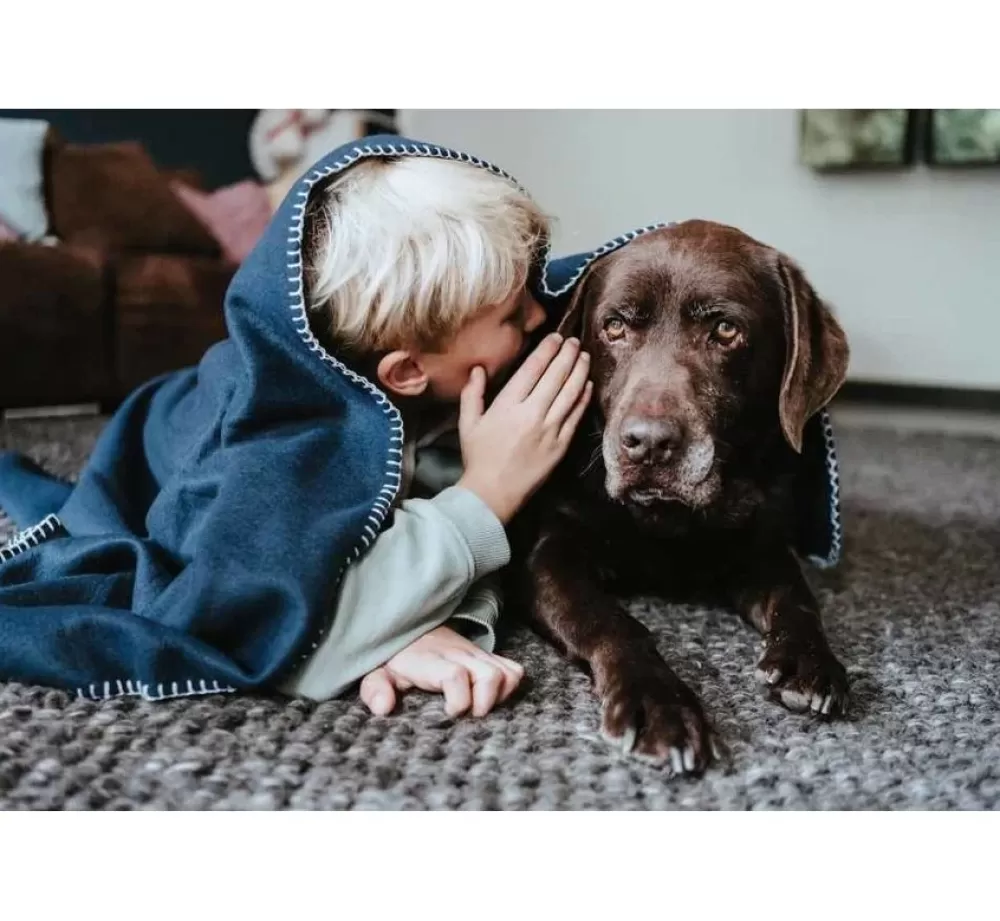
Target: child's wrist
{"type": "Point", "coordinates": [495, 498]}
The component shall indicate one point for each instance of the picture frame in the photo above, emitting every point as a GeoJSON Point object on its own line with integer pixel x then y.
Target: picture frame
{"type": "Point", "coordinates": [961, 137]}
{"type": "Point", "coordinates": [840, 140]}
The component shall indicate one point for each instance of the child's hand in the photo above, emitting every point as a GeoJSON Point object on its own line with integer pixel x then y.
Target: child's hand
{"type": "Point", "coordinates": [510, 449]}
{"type": "Point", "coordinates": [444, 661]}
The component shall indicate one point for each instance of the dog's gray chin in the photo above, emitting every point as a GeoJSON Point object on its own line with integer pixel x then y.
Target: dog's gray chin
{"type": "Point", "coordinates": [646, 500]}
{"type": "Point", "coordinates": [649, 497]}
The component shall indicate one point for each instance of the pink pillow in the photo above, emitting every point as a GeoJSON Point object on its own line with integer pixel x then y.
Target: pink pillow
{"type": "Point", "coordinates": [6, 233]}
{"type": "Point", "coordinates": [236, 215]}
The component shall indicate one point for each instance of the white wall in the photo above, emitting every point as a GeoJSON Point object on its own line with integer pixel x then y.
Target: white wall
{"type": "Point", "coordinates": [910, 261]}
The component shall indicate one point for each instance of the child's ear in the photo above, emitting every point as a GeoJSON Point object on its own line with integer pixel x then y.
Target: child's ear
{"type": "Point", "coordinates": [401, 373]}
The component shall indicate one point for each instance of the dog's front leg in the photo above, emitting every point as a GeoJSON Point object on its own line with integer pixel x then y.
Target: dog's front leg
{"type": "Point", "coordinates": [797, 667]}
{"type": "Point", "coordinates": [646, 708]}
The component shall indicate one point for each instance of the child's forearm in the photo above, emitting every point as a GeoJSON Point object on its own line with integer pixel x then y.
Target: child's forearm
{"type": "Point", "coordinates": [413, 578]}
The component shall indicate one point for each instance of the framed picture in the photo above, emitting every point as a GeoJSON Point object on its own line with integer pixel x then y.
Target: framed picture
{"type": "Point", "coordinates": [962, 137]}
{"type": "Point", "coordinates": [856, 139]}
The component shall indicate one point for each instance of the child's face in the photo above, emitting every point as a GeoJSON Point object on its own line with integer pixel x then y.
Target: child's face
{"type": "Point", "coordinates": [493, 341]}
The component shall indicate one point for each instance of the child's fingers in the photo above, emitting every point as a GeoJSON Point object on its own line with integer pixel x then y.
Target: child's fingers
{"type": "Point", "coordinates": [456, 687]}
{"type": "Point", "coordinates": [471, 400]}
{"type": "Point", "coordinates": [487, 683]}
{"type": "Point", "coordinates": [573, 419]}
{"type": "Point", "coordinates": [377, 692]}
{"type": "Point", "coordinates": [567, 398]}
{"type": "Point", "coordinates": [513, 672]}
{"type": "Point", "coordinates": [522, 382]}
{"type": "Point", "coordinates": [555, 376]}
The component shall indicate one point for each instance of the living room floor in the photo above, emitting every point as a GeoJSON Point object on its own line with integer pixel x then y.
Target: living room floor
{"type": "Point", "coordinates": [914, 612]}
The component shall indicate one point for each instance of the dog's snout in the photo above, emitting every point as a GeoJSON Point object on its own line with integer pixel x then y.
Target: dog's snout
{"type": "Point", "coordinates": [649, 441]}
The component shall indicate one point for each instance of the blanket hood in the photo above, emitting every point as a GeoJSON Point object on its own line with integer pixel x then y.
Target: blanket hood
{"type": "Point", "coordinates": [817, 491]}
{"type": "Point", "coordinates": [202, 546]}
{"type": "Point", "coordinates": [265, 305]}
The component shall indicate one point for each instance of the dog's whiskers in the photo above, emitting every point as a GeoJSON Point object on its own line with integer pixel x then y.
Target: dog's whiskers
{"type": "Point", "coordinates": [594, 458]}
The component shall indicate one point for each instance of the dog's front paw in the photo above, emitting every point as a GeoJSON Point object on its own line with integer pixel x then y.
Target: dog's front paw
{"type": "Point", "coordinates": [804, 676]}
{"type": "Point", "coordinates": [656, 717]}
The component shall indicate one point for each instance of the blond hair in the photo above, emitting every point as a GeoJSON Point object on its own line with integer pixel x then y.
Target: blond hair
{"type": "Point", "coordinates": [406, 251]}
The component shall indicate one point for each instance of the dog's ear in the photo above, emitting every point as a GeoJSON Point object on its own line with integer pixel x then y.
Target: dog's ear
{"type": "Point", "coordinates": [816, 353]}
{"type": "Point", "coordinates": [574, 320]}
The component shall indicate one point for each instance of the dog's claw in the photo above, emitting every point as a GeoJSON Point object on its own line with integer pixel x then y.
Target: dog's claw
{"type": "Point", "coordinates": [794, 700]}
{"type": "Point", "coordinates": [804, 677]}
{"type": "Point", "coordinates": [653, 717]}
{"type": "Point", "coordinates": [628, 740]}
{"type": "Point", "coordinates": [769, 676]}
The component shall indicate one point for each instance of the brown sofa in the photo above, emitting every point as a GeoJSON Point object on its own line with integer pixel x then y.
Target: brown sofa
{"type": "Point", "coordinates": [130, 285]}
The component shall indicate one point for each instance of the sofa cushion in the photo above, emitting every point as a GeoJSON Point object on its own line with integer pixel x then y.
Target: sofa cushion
{"type": "Point", "coordinates": [168, 311]}
{"type": "Point", "coordinates": [237, 215]}
{"type": "Point", "coordinates": [54, 328]}
{"type": "Point", "coordinates": [114, 196]}
{"type": "Point", "coordinates": [22, 176]}
{"type": "Point", "coordinates": [7, 232]}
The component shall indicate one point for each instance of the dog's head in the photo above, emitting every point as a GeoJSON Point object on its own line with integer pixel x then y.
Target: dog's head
{"type": "Point", "coordinates": [707, 347]}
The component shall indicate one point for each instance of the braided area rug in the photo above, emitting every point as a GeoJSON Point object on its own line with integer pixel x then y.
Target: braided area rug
{"type": "Point", "coordinates": [914, 613]}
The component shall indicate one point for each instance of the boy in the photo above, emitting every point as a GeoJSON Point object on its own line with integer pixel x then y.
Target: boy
{"type": "Point", "coordinates": [239, 524]}
{"type": "Point", "coordinates": [419, 266]}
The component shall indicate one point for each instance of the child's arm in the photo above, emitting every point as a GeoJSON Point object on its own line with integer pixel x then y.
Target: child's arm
{"type": "Point", "coordinates": [413, 578]}
{"type": "Point", "coordinates": [417, 572]}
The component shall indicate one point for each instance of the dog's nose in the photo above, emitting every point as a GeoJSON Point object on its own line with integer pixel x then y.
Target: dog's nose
{"type": "Point", "coordinates": [649, 441]}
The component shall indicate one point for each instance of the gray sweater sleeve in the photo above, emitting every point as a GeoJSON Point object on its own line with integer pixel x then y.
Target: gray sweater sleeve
{"type": "Point", "coordinates": [476, 617]}
{"type": "Point", "coordinates": [415, 576]}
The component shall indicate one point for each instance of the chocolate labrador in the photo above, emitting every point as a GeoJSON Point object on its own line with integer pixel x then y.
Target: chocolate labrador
{"type": "Point", "coordinates": [710, 353]}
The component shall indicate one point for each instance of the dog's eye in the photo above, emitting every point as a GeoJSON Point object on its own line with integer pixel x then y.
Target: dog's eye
{"type": "Point", "coordinates": [614, 328]}
{"type": "Point", "coordinates": [726, 333]}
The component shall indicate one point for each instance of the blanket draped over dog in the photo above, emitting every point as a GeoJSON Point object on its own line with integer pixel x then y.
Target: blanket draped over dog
{"type": "Point", "coordinates": [202, 546]}
{"type": "Point", "coordinates": [819, 536]}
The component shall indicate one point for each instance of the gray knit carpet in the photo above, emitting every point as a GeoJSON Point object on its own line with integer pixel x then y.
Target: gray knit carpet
{"type": "Point", "coordinates": [914, 613]}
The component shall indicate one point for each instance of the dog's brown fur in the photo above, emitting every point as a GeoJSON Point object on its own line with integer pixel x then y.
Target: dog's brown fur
{"type": "Point", "coordinates": [679, 482]}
